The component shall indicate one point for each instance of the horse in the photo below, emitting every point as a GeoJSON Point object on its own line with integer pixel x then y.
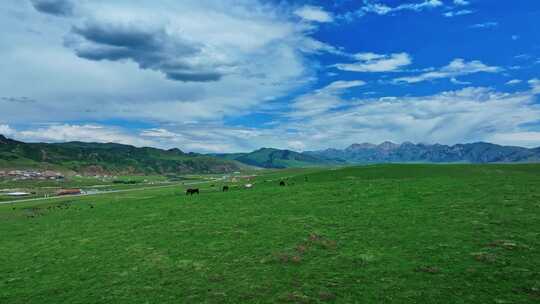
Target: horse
{"type": "Point", "coordinates": [192, 191]}
{"type": "Point", "coordinates": [248, 186]}
{"type": "Point", "coordinates": [225, 188]}
{"type": "Point", "coordinates": [282, 183]}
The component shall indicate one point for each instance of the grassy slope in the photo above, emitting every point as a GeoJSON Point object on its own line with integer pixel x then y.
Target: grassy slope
{"type": "Point", "coordinates": [275, 158]}
{"type": "Point", "coordinates": [368, 234]}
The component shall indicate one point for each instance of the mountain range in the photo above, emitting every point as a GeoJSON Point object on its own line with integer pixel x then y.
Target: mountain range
{"type": "Point", "coordinates": [407, 152]}
{"type": "Point", "coordinates": [97, 158]}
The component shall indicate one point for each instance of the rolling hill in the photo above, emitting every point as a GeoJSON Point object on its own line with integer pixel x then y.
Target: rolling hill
{"type": "Point", "coordinates": [100, 158]}
{"type": "Point", "coordinates": [275, 158]}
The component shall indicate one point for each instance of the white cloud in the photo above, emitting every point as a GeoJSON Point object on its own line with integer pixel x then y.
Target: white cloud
{"type": "Point", "coordinates": [456, 81]}
{"type": "Point", "coordinates": [514, 81]}
{"type": "Point", "coordinates": [158, 132]}
{"type": "Point", "coordinates": [371, 62]}
{"type": "Point", "coordinates": [458, 13]}
{"type": "Point", "coordinates": [485, 25]}
{"type": "Point", "coordinates": [522, 139]}
{"type": "Point", "coordinates": [296, 145]}
{"type": "Point", "coordinates": [86, 133]}
{"type": "Point", "coordinates": [322, 100]}
{"type": "Point", "coordinates": [342, 84]}
{"type": "Point", "coordinates": [377, 8]}
{"type": "Point", "coordinates": [314, 13]}
{"type": "Point", "coordinates": [461, 2]}
{"type": "Point", "coordinates": [6, 130]}
{"type": "Point", "coordinates": [382, 9]}
{"type": "Point", "coordinates": [421, 5]}
{"type": "Point", "coordinates": [535, 85]}
{"type": "Point", "coordinates": [458, 67]}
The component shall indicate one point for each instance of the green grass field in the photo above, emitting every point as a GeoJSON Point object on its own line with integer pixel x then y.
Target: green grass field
{"type": "Point", "coordinates": [374, 234]}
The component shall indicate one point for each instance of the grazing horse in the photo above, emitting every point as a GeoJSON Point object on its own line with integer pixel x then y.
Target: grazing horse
{"type": "Point", "coordinates": [282, 183]}
{"type": "Point", "coordinates": [192, 191]}
{"type": "Point", "coordinates": [225, 188]}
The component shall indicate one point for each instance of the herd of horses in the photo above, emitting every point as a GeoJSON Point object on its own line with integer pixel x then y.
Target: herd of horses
{"type": "Point", "coordinates": [191, 191]}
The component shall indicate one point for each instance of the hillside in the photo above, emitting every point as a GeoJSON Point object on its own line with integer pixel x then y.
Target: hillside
{"type": "Point", "coordinates": [388, 152]}
{"type": "Point", "coordinates": [275, 158]}
{"type": "Point", "coordinates": [99, 158]}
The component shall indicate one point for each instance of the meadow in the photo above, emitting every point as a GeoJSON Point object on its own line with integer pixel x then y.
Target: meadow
{"type": "Point", "coordinates": [371, 234]}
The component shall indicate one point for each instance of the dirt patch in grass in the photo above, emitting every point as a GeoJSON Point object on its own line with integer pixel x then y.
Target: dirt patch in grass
{"type": "Point", "coordinates": [428, 269]}
{"type": "Point", "coordinates": [301, 250]}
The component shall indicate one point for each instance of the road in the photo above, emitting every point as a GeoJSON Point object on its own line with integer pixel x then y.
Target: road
{"type": "Point", "coordinates": [98, 193]}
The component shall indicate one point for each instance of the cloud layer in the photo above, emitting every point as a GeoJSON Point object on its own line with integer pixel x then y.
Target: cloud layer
{"type": "Point", "coordinates": [323, 119]}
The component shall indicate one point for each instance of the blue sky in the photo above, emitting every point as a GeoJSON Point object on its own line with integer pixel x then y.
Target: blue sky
{"type": "Point", "coordinates": [210, 76]}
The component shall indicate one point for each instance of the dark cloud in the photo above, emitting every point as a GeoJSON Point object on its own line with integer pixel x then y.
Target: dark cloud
{"type": "Point", "coordinates": [194, 76]}
{"type": "Point", "coordinates": [122, 36]}
{"type": "Point", "coordinates": [54, 7]}
{"type": "Point", "coordinates": [103, 53]}
{"type": "Point", "coordinates": [151, 48]}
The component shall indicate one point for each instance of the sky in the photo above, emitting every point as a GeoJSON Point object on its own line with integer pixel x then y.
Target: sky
{"type": "Point", "coordinates": [233, 76]}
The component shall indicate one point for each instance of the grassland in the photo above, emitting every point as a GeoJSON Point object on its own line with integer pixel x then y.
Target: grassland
{"type": "Point", "coordinates": [374, 234]}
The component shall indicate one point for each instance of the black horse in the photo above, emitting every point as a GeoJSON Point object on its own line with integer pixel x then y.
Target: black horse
{"type": "Point", "coordinates": [225, 188]}
{"type": "Point", "coordinates": [192, 191]}
{"type": "Point", "coordinates": [282, 183]}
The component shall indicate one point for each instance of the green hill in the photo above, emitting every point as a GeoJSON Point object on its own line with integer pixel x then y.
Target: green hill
{"type": "Point", "coordinates": [99, 158]}
{"type": "Point", "coordinates": [275, 158]}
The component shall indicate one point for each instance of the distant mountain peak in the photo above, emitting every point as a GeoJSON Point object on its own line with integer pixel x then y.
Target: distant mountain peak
{"type": "Point", "coordinates": [176, 150]}
{"type": "Point", "coordinates": [5, 140]}
{"type": "Point", "coordinates": [388, 145]}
